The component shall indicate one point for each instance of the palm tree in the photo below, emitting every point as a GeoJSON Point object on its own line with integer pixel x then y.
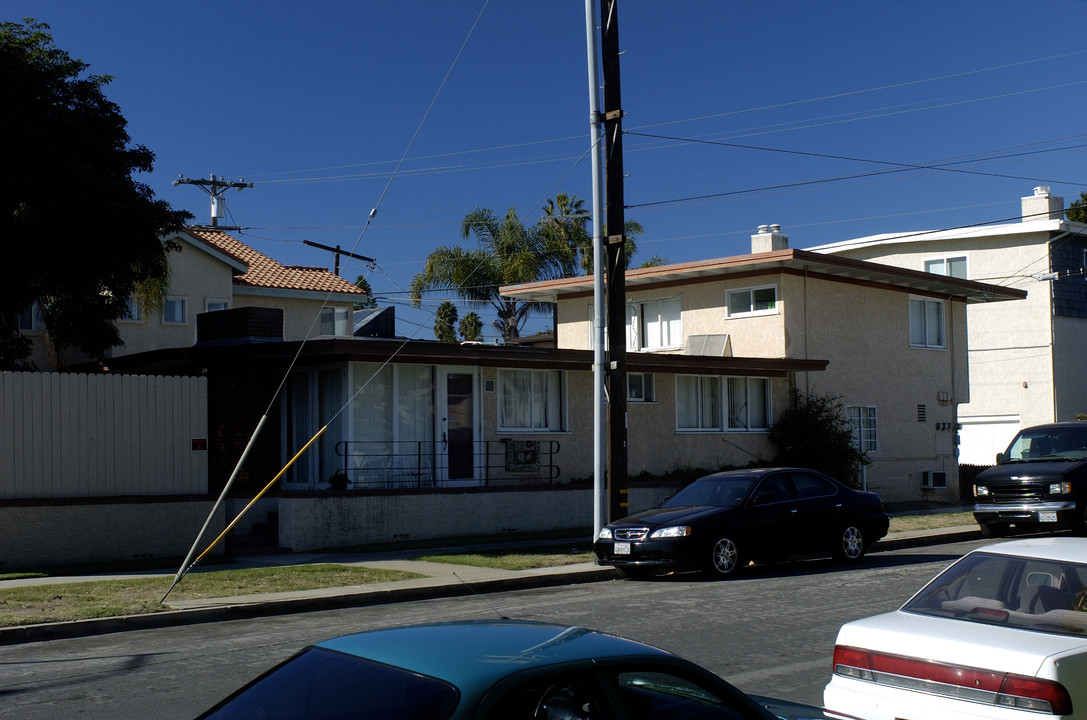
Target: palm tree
{"type": "Point", "coordinates": [444, 321]}
{"type": "Point", "coordinates": [506, 253]}
{"type": "Point", "coordinates": [471, 328]}
{"type": "Point", "coordinates": [566, 220]}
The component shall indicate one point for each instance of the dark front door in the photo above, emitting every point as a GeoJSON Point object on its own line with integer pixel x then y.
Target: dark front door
{"type": "Point", "coordinates": [459, 425]}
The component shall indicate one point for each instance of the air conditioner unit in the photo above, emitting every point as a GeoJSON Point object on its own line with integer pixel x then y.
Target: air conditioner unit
{"type": "Point", "coordinates": [933, 479]}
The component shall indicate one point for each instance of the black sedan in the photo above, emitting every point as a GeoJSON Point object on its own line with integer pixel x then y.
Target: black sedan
{"type": "Point", "coordinates": [720, 522]}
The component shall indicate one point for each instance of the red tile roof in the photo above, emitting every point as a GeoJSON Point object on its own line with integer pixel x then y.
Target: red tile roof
{"type": "Point", "coordinates": [264, 272]}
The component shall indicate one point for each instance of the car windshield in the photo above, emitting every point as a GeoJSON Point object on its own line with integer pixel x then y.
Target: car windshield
{"type": "Point", "coordinates": [715, 491]}
{"type": "Point", "coordinates": [321, 684]}
{"type": "Point", "coordinates": [1021, 592]}
{"type": "Point", "coordinates": [1062, 443]}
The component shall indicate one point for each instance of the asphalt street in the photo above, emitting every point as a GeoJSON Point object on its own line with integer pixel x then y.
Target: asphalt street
{"type": "Point", "coordinates": [770, 632]}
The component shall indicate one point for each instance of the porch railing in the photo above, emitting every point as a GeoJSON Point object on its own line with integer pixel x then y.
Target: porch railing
{"type": "Point", "coordinates": [428, 463]}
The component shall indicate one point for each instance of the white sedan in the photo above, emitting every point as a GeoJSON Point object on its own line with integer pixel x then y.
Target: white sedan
{"type": "Point", "coordinates": [1002, 633]}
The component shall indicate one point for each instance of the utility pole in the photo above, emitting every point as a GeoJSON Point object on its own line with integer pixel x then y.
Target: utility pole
{"type": "Point", "coordinates": [337, 251]}
{"type": "Point", "coordinates": [215, 187]}
{"type": "Point", "coordinates": [616, 263]}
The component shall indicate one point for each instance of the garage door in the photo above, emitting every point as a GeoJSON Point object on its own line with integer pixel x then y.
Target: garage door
{"type": "Point", "coordinates": [981, 438]}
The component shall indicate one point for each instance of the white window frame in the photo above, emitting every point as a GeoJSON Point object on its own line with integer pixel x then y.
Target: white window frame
{"type": "Point", "coordinates": [644, 390]}
{"type": "Point", "coordinates": [221, 303]}
{"type": "Point", "coordinates": [337, 318]}
{"type": "Point", "coordinates": [923, 312]}
{"type": "Point", "coordinates": [864, 421]}
{"type": "Point", "coordinates": [654, 325]}
{"type": "Point", "coordinates": [752, 311]}
{"type": "Point", "coordinates": [942, 265]}
{"type": "Point", "coordinates": [720, 405]}
{"type": "Point", "coordinates": [176, 300]}
{"type": "Point", "coordinates": [543, 404]}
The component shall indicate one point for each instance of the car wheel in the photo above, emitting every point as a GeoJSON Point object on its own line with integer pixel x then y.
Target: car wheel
{"type": "Point", "coordinates": [994, 530]}
{"type": "Point", "coordinates": [850, 545]}
{"type": "Point", "coordinates": [726, 558]}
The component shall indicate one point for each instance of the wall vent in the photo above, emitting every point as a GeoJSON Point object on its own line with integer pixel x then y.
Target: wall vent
{"type": "Point", "coordinates": [922, 413]}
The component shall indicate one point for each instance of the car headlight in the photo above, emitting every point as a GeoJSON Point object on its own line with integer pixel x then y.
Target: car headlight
{"type": "Point", "coordinates": [605, 534]}
{"type": "Point", "coordinates": [981, 491]}
{"type": "Point", "coordinates": [1060, 488]}
{"type": "Point", "coordinates": [671, 532]}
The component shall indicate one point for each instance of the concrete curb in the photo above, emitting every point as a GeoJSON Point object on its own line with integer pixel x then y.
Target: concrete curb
{"type": "Point", "coordinates": [362, 596]}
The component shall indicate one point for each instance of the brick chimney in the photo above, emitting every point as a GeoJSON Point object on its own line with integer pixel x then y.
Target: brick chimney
{"type": "Point", "coordinates": [768, 238]}
{"type": "Point", "coordinates": [1042, 206]}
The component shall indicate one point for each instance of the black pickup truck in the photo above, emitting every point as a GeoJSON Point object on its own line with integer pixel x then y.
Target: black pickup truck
{"type": "Point", "coordinates": [1038, 484]}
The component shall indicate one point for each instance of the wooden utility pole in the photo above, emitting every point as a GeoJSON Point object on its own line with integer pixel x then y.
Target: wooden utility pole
{"type": "Point", "coordinates": [215, 187]}
{"type": "Point", "coordinates": [616, 263]}
{"type": "Point", "coordinates": [337, 251]}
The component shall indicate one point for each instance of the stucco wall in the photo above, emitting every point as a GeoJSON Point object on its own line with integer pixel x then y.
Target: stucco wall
{"type": "Point", "coordinates": [41, 536]}
{"type": "Point", "coordinates": [194, 275]}
{"type": "Point", "coordinates": [313, 523]}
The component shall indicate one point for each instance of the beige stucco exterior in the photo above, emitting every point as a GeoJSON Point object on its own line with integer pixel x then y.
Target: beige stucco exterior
{"type": "Point", "coordinates": [864, 333]}
{"type": "Point", "coordinates": [1025, 357]}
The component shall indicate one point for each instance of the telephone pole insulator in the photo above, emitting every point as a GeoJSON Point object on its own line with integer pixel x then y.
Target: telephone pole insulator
{"type": "Point", "coordinates": [215, 187]}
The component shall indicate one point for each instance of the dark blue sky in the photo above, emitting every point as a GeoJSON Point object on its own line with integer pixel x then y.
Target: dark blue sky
{"type": "Point", "coordinates": [317, 102]}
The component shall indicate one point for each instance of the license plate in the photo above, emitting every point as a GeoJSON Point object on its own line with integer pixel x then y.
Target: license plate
{"type": "Point", "coordinates": [622, 548]}
{"type": "Point", "coordinates": [1047, 516]}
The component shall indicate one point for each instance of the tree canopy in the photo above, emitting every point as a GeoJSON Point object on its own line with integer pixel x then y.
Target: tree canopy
{"type": "Point", "coordinates": [506, 253]}
{"type": "Point", "coordinates": [80, 235]}
{"type": "Point", "coordinates": [1077, 211]}
{"type": "Point", "coordinates": [567, 221]}
{"type": "Point", "coordinates": [445, 320]}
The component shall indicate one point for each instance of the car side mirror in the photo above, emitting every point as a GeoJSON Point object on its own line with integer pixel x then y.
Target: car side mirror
{"type": "Point", "coordinates": [762, 498]}
{"type": "Point", "coordinates": [1000, 457]}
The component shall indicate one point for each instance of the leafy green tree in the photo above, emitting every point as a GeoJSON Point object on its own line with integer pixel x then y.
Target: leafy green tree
{"type": "Point", "coordinates": [815, 433]}
{"type": "Point", "coordinates": [506, 253]}
{"type": "Point", "coordinates": [444, 322]}
{"type": "Point", "coordinates": [471, 328]}
{"type": "Point", "coordinates": [81, 232]}
{"type": "Point", "coordinates": [369, 302]}
{"type": "Point", "coordinates": [655, 261]}
{"type": "Point", "coordinates": [567, 221]}
{"type": "Point", "coordinates": [1077, 211]}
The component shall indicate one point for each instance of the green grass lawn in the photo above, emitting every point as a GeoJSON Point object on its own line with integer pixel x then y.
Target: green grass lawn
{"type": "Point", "coordinates": [108, 598]}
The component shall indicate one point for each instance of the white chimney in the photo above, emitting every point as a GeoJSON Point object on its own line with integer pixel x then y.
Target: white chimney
{"type": "Point", "coordinates": [768, 238]}
{"type": "Point", "coordinates": [1042, 205]}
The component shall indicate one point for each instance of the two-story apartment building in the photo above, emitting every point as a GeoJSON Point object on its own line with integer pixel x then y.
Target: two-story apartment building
{"type": "Point", "coordinates": [894, 341]}
{"type": "Point", "coordinates": [214, 271]}
{"type": "Point", "coordinates": [1025, 357]}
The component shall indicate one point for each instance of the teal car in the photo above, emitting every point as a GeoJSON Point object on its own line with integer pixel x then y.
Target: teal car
{"type": "Point", "coordinates": [494, 670]}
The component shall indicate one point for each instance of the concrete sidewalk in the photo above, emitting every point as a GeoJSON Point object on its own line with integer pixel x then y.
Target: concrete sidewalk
{"type": "Point", "coordinates": [439, 580]}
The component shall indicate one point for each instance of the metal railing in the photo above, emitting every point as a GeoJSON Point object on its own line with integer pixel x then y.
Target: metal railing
{"type": "Point", "coordinates": [427, 463]}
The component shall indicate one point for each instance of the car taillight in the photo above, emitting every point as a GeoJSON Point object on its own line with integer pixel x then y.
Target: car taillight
{"type": "Point", "coordinates": [977, 685]}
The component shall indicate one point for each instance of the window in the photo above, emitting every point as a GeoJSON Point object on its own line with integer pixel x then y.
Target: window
{"type": "Point", "coordinates": [748, 403]}
{"type": "Point", "coordinates": [926, 323]}
{"type": "Point", "coordinates": [212, 305]}
{"type": "Point", "coordinates": [334, 321]}
{"type": "Point", "coordinates": [863, 420]}
{"type": "Point", "coordinates": [532, 400]}
{"type": "Point", "coordinates": [132, 311]}
{"type": "Point", "coordinates": [640, 387]}
{"type": "Point", "coordinates": [950, 266]}
{"type": "Point", "coordinates": [752, 301]}
{"type": "Point", "coordinates": [698, 401]}
{"type": "Point", "coordinates": [174, 311]}
{"type": "Point", "coordinates": [701, 406]}
{"type": "Point", "coordinates": [654, 325]}
{"type": "Point", "coordinates": [30, 319]}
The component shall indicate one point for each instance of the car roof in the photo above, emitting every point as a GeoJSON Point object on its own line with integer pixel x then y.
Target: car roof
{"type": "Point", "coordinates": [756, 472]}
{"type": "Point", "coordinates": [474, 654]}
{"type": "Point", "coordinates": [1061, 549]}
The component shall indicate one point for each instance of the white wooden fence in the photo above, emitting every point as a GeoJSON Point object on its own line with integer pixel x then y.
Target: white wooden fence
{"type": "Point", "coordinates": [76, 436]}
